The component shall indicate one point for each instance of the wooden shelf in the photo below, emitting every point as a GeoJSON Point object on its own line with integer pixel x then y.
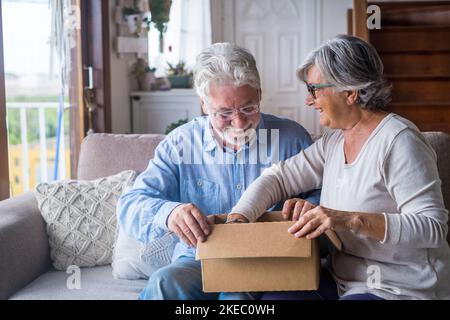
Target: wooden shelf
{"type": "Point", "coordinates": [135, 45]}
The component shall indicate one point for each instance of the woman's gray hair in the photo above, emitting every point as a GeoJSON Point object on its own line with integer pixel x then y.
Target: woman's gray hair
{"type": "Point", "coordinates": [349, 63]}
{"type": "Point", "coordinates": [225, 63]}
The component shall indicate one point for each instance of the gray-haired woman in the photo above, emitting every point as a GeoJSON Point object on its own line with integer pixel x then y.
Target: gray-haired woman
{"type": "Point", "coordinates": [380, 185]}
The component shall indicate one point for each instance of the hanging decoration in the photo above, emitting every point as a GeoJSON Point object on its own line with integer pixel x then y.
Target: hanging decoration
{"type": "Point", "coordinates": [65, 22]}
{"type": "Point", "coordinates": [160, 10]}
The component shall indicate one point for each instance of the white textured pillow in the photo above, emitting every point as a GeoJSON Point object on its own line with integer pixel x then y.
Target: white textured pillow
{"type": "Point", "coordinates": [81, 218]}
{"type": "Point", "coordinates": [133, 259]}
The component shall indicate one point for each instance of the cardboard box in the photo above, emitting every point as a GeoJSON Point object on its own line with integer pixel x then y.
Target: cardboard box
{"type": "Point", "coordinates": [261, 256]}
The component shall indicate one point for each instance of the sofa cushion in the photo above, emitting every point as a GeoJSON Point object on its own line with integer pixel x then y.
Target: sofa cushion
{"type": "Point", "coordinates": [133, 259]}
{"type": "Point", "coordinates": [440, 142]}
{"type": "Point", "coordinates": [127, 262]}
{"type": "Point", "coordinates": [81, 218]}
{"type": "Point", "coordinates": [103, 154]}
{"type": "Point", "coordinates": [94, 284]}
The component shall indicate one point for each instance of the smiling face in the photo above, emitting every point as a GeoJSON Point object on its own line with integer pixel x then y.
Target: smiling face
{"type": "Point", "coordinates": [331, 105]}
{"type": "Point", "coordinates": [227, 97]}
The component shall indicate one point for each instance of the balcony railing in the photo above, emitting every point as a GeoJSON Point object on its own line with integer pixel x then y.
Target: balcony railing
{"type": "Point", "coordinates": [45, 153]}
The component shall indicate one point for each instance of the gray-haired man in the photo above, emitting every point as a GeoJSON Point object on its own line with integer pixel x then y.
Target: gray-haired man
{"type": "Point", "coordinates": [204, 166]}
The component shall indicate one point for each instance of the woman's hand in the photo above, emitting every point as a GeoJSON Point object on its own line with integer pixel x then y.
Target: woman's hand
{"type": "Point", "coordinates": [294, 208]}
{"type": "Point", "coordinates": [320, 219]}
{"type": "Point", "coordinates": [236, 218]}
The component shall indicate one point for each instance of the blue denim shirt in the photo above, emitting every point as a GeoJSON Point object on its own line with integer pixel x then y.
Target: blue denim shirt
{"type": "Point", "coordinates": [190, 167]}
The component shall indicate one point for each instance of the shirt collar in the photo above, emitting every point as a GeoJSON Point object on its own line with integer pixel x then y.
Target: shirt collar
{"type": "Point", "coordinates": [210, 143]}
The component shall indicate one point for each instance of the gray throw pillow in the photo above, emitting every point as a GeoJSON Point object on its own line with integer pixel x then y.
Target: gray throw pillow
{"type": "Point", "coordinates": [81, 219]}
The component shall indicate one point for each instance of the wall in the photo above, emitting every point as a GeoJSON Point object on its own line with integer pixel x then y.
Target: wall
{"type": "Point", "coordinates": [334, 17]}
{"type": "Point", "coordinates": [331, 20]}
{"type": "Point", "coordinates": [332, 14]}
{"type": "Point", "coordinates": [280, 34]}
{"type": "Point", "coordinates": [121, 83]}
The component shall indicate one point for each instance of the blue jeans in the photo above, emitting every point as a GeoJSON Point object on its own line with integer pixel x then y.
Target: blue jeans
{"type": "Point", "coordinates": [182, 280]}
{"type": "Point", "coordinates": [327, 291]}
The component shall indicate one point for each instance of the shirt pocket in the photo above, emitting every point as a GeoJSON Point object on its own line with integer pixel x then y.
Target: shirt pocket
{"type": "Point", "coordinates": [203, 193]}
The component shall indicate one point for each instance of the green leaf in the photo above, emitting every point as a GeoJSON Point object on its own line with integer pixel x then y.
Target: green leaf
{"type": "Point", "coordinates": [175, 125]}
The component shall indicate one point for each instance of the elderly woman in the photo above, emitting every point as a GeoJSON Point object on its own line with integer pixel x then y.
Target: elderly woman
{"type": "Point", "coordinates": [380, 185]}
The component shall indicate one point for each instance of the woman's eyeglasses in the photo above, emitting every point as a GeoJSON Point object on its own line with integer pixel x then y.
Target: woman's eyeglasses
{"type": "Point", "coordinates": [316, 86]}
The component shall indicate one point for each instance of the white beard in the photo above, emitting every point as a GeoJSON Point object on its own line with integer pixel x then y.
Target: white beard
{"type": "Point", "coordinates": [237, 137]}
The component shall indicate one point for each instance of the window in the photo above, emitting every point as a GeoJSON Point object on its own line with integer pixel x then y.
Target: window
{"type": "Point", "coordinates": [32, 95]}
{"type": "Point", "coordinates": [188, 32]}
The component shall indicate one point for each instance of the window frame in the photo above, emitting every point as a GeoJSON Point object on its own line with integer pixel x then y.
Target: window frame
{"type": "Point", "coordinates": [4, 163]}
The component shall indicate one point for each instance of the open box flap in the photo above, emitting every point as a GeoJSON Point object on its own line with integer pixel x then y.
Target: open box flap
{"type": "Point", "coordinates": [255, 240]}
{"type": "Point", "coordinates": [261, 239]}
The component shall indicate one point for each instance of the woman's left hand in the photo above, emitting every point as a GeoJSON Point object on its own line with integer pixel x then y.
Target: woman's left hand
{"type": "Point", "coordinates": [320, 219]}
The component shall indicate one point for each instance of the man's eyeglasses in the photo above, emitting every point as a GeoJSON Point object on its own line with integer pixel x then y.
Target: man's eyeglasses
{"type": "Point", "coordinates": [317, 86]}
{"type": "Point", "coordinates": [229, 114]}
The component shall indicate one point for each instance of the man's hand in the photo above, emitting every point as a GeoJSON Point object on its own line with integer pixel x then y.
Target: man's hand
{"type": "Point", "coordinates": [294, 208]}
{"type": "Point", "coordinates": [236, 218]}
{"type": "Point", "coordinates": [189, 224]}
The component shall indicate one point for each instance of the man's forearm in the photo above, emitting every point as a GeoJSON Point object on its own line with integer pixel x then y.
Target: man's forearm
{"type": "Point", "coordinates": [138, 214]}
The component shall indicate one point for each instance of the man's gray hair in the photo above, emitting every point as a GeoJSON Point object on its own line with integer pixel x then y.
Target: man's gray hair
{"type": "Point", "coordinates": [350, 63]}
{"type": "Point", "coordinates": [225, 63]}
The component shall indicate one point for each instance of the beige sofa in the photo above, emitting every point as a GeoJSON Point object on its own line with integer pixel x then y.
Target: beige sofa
{"type": "Point", "coordinates": [25, 266]}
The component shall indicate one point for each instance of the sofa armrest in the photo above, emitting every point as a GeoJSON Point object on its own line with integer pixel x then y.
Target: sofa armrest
{"type": "Point", "coordinates": [24, 249]}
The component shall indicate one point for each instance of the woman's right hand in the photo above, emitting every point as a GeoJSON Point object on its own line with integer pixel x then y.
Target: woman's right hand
{"type": "Point", "coordinates": [294, 208]}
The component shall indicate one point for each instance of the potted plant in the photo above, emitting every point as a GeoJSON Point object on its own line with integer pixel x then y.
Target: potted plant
{"type": "Point", "coordinates": [144, 75]}
{"type": "Point", "coordinates": [133, 18]}
{"type": "Point", "coordinates": [137, 20]}
{"type": "Point", "coordinates": [160, 10]}
{"type": "Point", "coordinates": [179, 76]}
{"type": "Point", "coordinates": [175, 125]}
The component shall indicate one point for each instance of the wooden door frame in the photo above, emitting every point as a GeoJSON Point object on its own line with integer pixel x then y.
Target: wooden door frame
{"type": "Point", "coordinates": [359, 19]}
{"type": "Point", "coordinates": [93, 41]}
{"type": "Point", "coordinates": [4, 164]}
{"type": "Point", "coordinates": [76, 117]}
{"type": "Point", "coordinates": [96, 52]}
{"type": "Point", "coordinates": [93, 49]}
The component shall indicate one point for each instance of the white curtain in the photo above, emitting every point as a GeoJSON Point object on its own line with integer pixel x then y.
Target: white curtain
{"type": "Point", "coordinates": [188, 32]}
{"type": "Point", "coordinates": [195, 29]}
{"type": "Point", "coordinates": [65, 22]}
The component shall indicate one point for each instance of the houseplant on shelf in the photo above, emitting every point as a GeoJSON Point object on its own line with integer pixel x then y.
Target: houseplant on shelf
{"type": "Point", "coordinates": [178, 75]}
{"type": "Point", "coordinates": [144, 75]}
{"type": "Point", "coordinates": [137, 20]}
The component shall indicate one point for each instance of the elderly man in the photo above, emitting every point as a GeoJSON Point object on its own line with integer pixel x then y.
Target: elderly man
{"type": "Point", "coordinates": [204, 166]}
